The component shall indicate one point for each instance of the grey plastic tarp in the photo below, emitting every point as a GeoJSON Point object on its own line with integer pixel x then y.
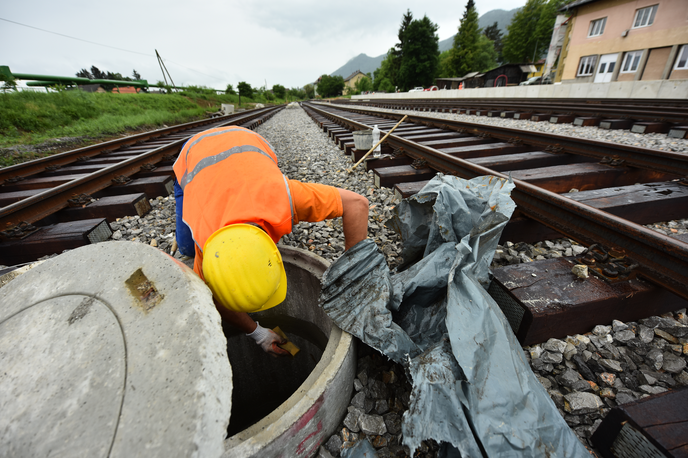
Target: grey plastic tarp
{"type": "Point", "coordinates": [472, 386]}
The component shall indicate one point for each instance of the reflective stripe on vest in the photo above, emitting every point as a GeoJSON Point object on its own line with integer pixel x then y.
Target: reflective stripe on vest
{"type": "Point", "coordinates": [211, 133]}
{"type": "Point", "coordinates": [211, 160]}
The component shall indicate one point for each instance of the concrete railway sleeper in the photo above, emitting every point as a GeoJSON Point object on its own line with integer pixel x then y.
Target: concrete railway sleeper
{"type": "Point", "coordinates": [613, 200]}
{"type": "Point", "coordinates": [67, 200]}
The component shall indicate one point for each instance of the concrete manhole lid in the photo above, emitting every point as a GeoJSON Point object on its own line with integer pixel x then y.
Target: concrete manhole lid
{"type": "Point", "coordinates": [113, 349]}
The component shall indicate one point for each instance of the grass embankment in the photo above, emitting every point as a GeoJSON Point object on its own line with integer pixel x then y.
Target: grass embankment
{"type": "Point", "coordinates": [38, 118]}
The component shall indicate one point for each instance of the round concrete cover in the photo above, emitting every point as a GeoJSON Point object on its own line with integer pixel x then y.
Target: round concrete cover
{"type": "Point", "coordinates": [114, 349]}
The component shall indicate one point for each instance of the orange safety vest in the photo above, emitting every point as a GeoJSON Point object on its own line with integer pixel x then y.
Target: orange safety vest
{"type": "Point", "coordinates": [229, 175]}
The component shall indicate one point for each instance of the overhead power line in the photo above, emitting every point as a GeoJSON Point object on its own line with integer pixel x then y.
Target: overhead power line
{"type": "Point", "coordinates": [75, 38]}
{"type": "Point", "coordinates": [104, 45]}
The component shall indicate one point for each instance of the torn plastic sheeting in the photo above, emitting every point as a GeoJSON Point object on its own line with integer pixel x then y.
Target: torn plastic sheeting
{"type": "Point", "coordinates": [361, 449]}
{"type": "Point", "coordinates": [472, 387]}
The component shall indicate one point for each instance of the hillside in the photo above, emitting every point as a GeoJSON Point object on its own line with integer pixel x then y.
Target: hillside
{"type": "Point", "coordinates": [366, 64]}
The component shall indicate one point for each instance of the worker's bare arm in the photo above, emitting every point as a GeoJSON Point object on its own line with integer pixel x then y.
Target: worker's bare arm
{"type": "Point", "coordinates": [354, 217]}
{"type": "Point", "coordinates": [239, 320]}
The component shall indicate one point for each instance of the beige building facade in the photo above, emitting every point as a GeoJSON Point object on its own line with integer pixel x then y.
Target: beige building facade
{"type": "Point", "coordinates": [354, 78]}
{"type": "Point", "coordinates": [625, 40]}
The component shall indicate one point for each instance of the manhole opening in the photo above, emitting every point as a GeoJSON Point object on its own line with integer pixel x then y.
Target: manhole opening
{"type": "Point", "coordinates": [262, 383]}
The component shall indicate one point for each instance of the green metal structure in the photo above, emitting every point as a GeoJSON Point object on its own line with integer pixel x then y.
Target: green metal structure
{"type": "Point", "coordinates": [50, 80]}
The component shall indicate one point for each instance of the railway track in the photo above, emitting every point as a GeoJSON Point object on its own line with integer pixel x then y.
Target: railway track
{"type": "Point", "coordinates": [638, 272]}
{"type": "Point", "coordinates": [67, 200]}
{"type": "Point", "coordinates": [638, 115]}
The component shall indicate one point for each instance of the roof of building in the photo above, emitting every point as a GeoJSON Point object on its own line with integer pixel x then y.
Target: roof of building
{"type": "Point", "coordinates": [125, 90]}
{"type": "Point", "coordinates": [576, 4]}
{"type": "Point", "coordinates": [354, 74]}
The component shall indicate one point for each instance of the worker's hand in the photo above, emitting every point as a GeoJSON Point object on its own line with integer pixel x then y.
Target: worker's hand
{"type": "Point", "coordinates": [268, 341]}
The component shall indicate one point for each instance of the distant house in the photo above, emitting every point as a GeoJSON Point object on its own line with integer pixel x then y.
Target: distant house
{"type": "Point", "coordinates": [352, 79]}
{"type": "Point", "coordinates": [448, 83]}
{"type": "Point", "coordinates": [507, 75]}
{"type": "Point", "coordinates": [539, 67]}
{"type": "Point", "coordinates": [504, 75]}
{"type": "Point", "coordinates": [126, 90]}
{"type": "Point", "coordinates": [632, 40]}
{"type": "Point", "coordinates": [91, 88]}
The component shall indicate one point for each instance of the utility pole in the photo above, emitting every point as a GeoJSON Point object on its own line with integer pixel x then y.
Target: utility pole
{"type": "Point", "coordinates": [163, 68]}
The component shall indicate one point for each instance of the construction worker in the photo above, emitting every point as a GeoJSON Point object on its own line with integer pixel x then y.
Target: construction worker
{"type": "Point", "coordinates": [233, 206]}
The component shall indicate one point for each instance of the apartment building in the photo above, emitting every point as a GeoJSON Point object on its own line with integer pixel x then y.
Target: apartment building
{"type": "Point", "coordinates": [624, 40]}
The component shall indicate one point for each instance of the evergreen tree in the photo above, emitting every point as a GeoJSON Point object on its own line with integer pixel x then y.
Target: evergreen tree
{"type": "Point", "coordinates": [398, 50]}
{"type": "Point", "coordinates": [420, 55]}
{"type": "Point", "coordinates": [136, 75]}
{"type": "Point", "coordinates": [83, 73]}
{"type": "Point", "coordinates": [530, 31]}
{"type": "Point", "coordinates": [493, 33]}
{"type": "Point", "coordinates": [463, 59]}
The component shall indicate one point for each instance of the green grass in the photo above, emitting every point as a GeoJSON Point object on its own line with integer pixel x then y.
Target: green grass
{"type": "Point", "coordinates": [30, 118]}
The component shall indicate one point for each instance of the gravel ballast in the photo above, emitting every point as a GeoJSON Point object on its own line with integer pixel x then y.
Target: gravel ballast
{"type": "Point", "coordinates": [586, 375]}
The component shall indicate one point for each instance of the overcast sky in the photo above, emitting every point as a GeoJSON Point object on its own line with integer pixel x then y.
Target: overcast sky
{"type": "Point", "coordinates": [214, 42]}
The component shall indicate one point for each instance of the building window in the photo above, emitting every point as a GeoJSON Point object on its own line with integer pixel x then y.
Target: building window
{"type": "Point", "coordinates": [631, 60]}
{"type": "Point", "coordinates": [645, 16]}
{"type": "Point", "coordinates": [682, 61]}
{"type": "Point", "coordinates": [597, 27]}
{"type": "Point", "coordinates": [587, 65]}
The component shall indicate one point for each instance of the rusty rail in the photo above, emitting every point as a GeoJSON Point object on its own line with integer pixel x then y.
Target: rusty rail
{"type": "Point", "coordinates": [39, 206]}
{"type": "Point", "coordinates": [663, 260]}
{"type": "Point", "coordinates": [645, 158]}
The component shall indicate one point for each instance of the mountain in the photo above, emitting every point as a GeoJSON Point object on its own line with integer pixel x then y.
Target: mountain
{"type": "Point", "coordinates": [368, 64]}
{"type": "Point", "coordinates": [361, 62]}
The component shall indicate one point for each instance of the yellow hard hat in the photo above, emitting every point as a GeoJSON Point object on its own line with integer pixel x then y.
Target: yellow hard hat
{"type": "Point", "coordinates": [243, 268]}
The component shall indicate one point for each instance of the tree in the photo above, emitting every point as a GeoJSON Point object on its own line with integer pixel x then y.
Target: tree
{"type": "Point", "coordinates": [465, 42]}
{"type": "Point", "coordinates": [388, 70]}
{"type": "Point", "coordinates": [485, 55]}
{"type": "Point", "coordinates": [279, 91]}
{"type": "Point", "coordinates": [9, 83]}
{"type": "Point", "coordinates": [83, 73]}
{"type": "Point", "coordinates": [330, 86]}
{"type": "Point", "coordinates": [309, 90]}
{"type": "Point", "coordinates": [420, 54]}
{"type": "Point", "coordinates": [445, 69]}
{"type": "Point", "coordinates": [364, 84]}
{"type": "Point", "coordinates": [385, 86]}
{"type": "Point", "coordinates": [530, 31]}
{"type": "Point", "coordinates": [230, 90]}
{"type": "Point", "coordinates": [97, 74]}
{"type": "Point", "coordinates": [297, 93]}
{"type": "Point", "coordinates": [493, 33]}
{"type": "Point", "coordinates": [135, 75]}
{"type": "Point", "coordinates": [245, 89]}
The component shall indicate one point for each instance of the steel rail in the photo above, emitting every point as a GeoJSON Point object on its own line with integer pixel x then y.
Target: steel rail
{"type": "Point", "coordinates": [645, 158]}
{"type": "Point", "coordinates": [40, 205]}
{"type": "Point", "coordinates": [37, 166]}
{"type": "Point", "coordinates": [662, 259]}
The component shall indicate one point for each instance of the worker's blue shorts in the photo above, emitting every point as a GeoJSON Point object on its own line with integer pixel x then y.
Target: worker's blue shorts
{"type": "Point", "coordinates": [184, 240]}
